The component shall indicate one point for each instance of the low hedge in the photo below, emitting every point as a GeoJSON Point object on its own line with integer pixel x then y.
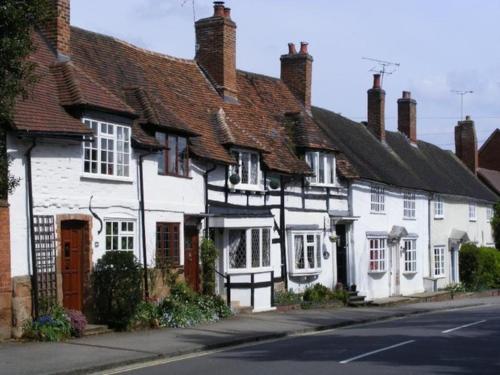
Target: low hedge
{"type": "Point", "coordinates": [479, 267]}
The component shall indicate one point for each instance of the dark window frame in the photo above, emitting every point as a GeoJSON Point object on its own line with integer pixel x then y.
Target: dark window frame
{"type": "Point", "coordinates": [168, 250]}
{"type": "Point", "coordinates": [166, 157]}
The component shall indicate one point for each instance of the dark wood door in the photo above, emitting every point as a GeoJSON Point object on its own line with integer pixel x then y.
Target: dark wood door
{"type": "Point", "coordinates": [341, 255]}
{"type": "Point", "coordinates": [191, 258]}
{"type": "Point", "coordinates": [73, 242]}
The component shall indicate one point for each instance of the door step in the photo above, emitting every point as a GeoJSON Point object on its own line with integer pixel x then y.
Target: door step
{"type": "Point", "coordinates": [95, 329]}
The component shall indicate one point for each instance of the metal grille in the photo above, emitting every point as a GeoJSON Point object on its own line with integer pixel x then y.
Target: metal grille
{"type": "Point", "coordinates": [237, 249]}
{"type": "Point", "coordinates": [45, 252]}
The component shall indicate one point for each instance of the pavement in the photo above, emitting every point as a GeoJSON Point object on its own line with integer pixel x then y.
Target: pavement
{"type": "Point", "coordinates": [97, 353]}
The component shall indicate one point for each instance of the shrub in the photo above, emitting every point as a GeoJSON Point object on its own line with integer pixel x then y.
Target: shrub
{"type": "Point", "coordinates": [208, 257]}
{"type": "Point", "coordinates": [318, 293]}
{"type": "Point", "coordinates": [77, 321]}
{"type": "Point", "coordinates": [287, 298]}
{"type": "Point", "coordinates": [495, 225]}
{"type": "Point", "coordinates": [146, 315]}
{"type": "Point", "coordinates": [54, 326]}
{"type": "Point", "coordinates": [117, 288]}
{"type": "Point", "coordinates": [479, 267]}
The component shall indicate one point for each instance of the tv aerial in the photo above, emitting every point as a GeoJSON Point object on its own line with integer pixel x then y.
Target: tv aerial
{"type": "Point", "coordinates": [462, 93]}
{"type": "Point", "coordinates": [382, 67]}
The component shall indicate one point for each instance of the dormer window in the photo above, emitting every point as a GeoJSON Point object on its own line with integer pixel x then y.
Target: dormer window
{"type": "Point", "coordinates": [322, 165]}
{"type": "Point", "coordinates": [174, 159]}
{"type": "Point", "coordinates": [247, 168]}
{"type": "Point", "coordinates": [109, 154]}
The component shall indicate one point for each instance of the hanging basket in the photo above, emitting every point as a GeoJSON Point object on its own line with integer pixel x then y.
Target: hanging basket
{"type": "Point", "coordinates": [274, 183]}
{"type": "Point", "coordinates": [234, 179]}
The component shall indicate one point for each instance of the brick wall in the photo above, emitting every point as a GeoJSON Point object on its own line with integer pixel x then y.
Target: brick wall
{"type": "Point", "coordinates": [466, 143]}
{"type": "Point", "coordinates": [489, 156]}
{"type": "Point", "coordinates": [5, 279]}
{"type": "Point", "coordinates": [296, 73]}
{"type": "Point", "coordinates": [407, 116]}
{"type": "Point", "coordinates": [376, 109]}
{"type": "Point", "coordinates": [216, 50]}
{"type": "Point", "coordinates": [57, 30]}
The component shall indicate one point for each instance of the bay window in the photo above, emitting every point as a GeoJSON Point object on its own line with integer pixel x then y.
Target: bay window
{"type": "Point", "coordinates": [120, 235]}
{"type": "Point", "coordinates": [322, 165]}
{"type": "Point", "coordinates": [109, 153]}
{"type": "Point", "coordinates": [174, 159]}
{"type": "Point", "coordinates": [306, 253]}
{"type": "Point", "coordinates": [378, 251]}
{"type": "Point", "coordinates": [247, 167]}
{"type": "Point", "coordinates": [249, 249]}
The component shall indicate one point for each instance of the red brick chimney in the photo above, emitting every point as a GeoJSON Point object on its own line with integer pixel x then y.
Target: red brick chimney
{"type": "Point", "coordinates": [466, 143]}
{"type": "Point", "coordinates": [57, 30]}
{"type": "Point", "coordinates": [376, 109]}
{"type": "Point", "coordinates": [216, 50]}
{"type": "Point", "coordinates": [296, 72]}
{"type": "Point", "coordinates": [407, 116]}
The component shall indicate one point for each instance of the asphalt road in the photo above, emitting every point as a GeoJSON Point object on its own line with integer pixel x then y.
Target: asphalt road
{"type": "Point", "coordinates": [451, 342]}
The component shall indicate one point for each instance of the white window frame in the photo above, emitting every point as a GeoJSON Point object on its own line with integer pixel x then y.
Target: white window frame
{"type": "Point", "coordinates": [410, 249]}
{"type": "Point", "coordinates": [248, 250]}
{"type": "Point", "coordinates": [409, 205]}
{"type": "Point", "coordinates": [316, 159]}
{"type": "Point", "coordinates": [438, 207]}
{"type": "Point", "coordinates": [316, 244]}
{"type": "Point", "coordinates": [99, 135]}
{"type": "Point", "coordinates": [438, 261]}
{"type": "Point", "coordinates": [472, 211]}
{"type": "Point", "coordinates": [489, 213]}
{"type": "Point", "coordinates": [120, 234]}
{"type": "Point", "coordinates": [377, 254]}
{"type": "Point", "coordinates": [238, 154]}
{"type": "Point", "coordinates": [377, 199]}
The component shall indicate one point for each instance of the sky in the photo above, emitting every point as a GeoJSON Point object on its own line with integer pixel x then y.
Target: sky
{"type": "Point", "coordinates": [441, 46]}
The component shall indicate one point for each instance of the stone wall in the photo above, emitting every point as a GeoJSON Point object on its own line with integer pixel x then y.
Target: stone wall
{"type": "Point", "coordinates": [21, 304]}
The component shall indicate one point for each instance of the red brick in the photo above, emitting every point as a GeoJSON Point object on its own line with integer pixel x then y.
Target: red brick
{"type": "Point", "coordinates": [466, 143]}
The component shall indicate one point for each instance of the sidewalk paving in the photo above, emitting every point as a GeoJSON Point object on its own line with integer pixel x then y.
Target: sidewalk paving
{"type": "Point", "coordinates": [95, 353]}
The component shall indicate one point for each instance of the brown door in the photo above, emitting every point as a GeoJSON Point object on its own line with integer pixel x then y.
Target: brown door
{"type": "Point", "coordinates": [73, 242]}
{"type": "Point", "coordinates": [191, 258]}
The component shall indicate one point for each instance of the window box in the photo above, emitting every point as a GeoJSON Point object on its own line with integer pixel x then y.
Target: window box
{"type": "Point", "coordinates": [306, 253]}
{"type": "Point", "coordinates": [324, 168]}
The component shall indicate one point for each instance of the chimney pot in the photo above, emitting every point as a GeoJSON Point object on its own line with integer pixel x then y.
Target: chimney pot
{"type": "Point", "coordinates": [376, 81]}
{"type": "Point", "coordinates": [303, 48]}
{"type": "Point", "coordinates": [467, 118]}
{"type": "Point", "coordinates": [291, 49]}
{"type": "Point", "coordinates": [406, 95]}
{"type": "Point", "coordinates": [219, 9]}
{"type": "Point", "coordinates": [227, 12]}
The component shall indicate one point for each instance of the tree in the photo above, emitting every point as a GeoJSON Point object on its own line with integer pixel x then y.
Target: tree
{"type": "Point", "coordinates": [495, 225]}
{"type": "Point", "coordinates": [17, 73]}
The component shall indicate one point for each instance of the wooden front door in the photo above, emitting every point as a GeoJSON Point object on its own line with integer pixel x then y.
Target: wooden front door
{"type": "Point", "coordinates": [73, 243]}
{"type": "Point", "coordinates": [340, 230]}
{"type": "Point", "coordinates": [191, 258]}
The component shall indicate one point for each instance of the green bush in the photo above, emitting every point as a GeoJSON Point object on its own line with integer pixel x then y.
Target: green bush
{"type": "Point", "coordinates": [208, 257]}
{"type": "Point", "coordinates": [287, 298]}
{"type": "Point", "coordinates": [117, 288]}
{"type": "Point", "coordinates": [479, 267]}
{"type": "Point", "coordinates": [495, 225]}
{"type": "Point", "coordinates": [146, 315]}
{"type": "Point", "coordinates": [318, 293]}
{"type": "Point", "coordinates": [53, 326]}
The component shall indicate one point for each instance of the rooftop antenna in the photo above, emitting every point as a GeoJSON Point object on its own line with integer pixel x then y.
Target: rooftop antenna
{"type": "Point", "coordinates": [383, 67]}
{"type": "Point", "coordinates": [462, 93]}
{"type": "Point", "coordinates": [193, 5]}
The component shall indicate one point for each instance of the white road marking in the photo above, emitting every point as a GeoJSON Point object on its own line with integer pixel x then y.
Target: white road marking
{"type": "Point", "coordinates": [464, 326]}
{"type": "Point", "coordinates": [376, 351]}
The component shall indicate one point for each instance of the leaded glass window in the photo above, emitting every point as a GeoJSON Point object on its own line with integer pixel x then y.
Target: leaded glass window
{"type": "Point", "coordinates": [237, 248]}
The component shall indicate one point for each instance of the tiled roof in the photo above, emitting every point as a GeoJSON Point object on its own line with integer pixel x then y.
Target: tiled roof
{"type": "Point", "coordinates": [399, 163]}
{"type": "Point", "coordinates": [41, 111]}
{"type": "Point", "coordinates": [491, 178]}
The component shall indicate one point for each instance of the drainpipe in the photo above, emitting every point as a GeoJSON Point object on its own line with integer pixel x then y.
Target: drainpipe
{"type": "Point", "coordinates": [34, 276]}
{"type": "Point", "coordinates": [143, 224]}
{"type": "Point", "coordinates": [205, 178]}
{"type": "Point", "coordinates": [284, 272]}
{"type": "Point", "coordinates": [429, 245]}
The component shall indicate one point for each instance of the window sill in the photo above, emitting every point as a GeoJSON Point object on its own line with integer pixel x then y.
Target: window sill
{"type": "Point", "coordinates": [105, 178]}
{"type": "Point", "coordinates": [472, 220]}
{"type": "Point", "coordinates": [410, 218]}
{"type": "Point", "coordinates": [438, 217]}
{"type": "Point", "coordinates": [316, 184]}
{"type": "Point", "coordinates": [175, 175]}
{"type": "Point", "coordinates": [244, 271]}
{"type": "Point", "coordinates": [437, 277]}
{"type": "Point", "coordinates": [311, 272]}
{"type": "Point", "coordinates": [251, 188]}
{"type": "Point", "coordinates": [377, 272]}
{"type": "Point", "coordinates": [377, 212]}
{"type": "Point", "coordinates": [410, 273]}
